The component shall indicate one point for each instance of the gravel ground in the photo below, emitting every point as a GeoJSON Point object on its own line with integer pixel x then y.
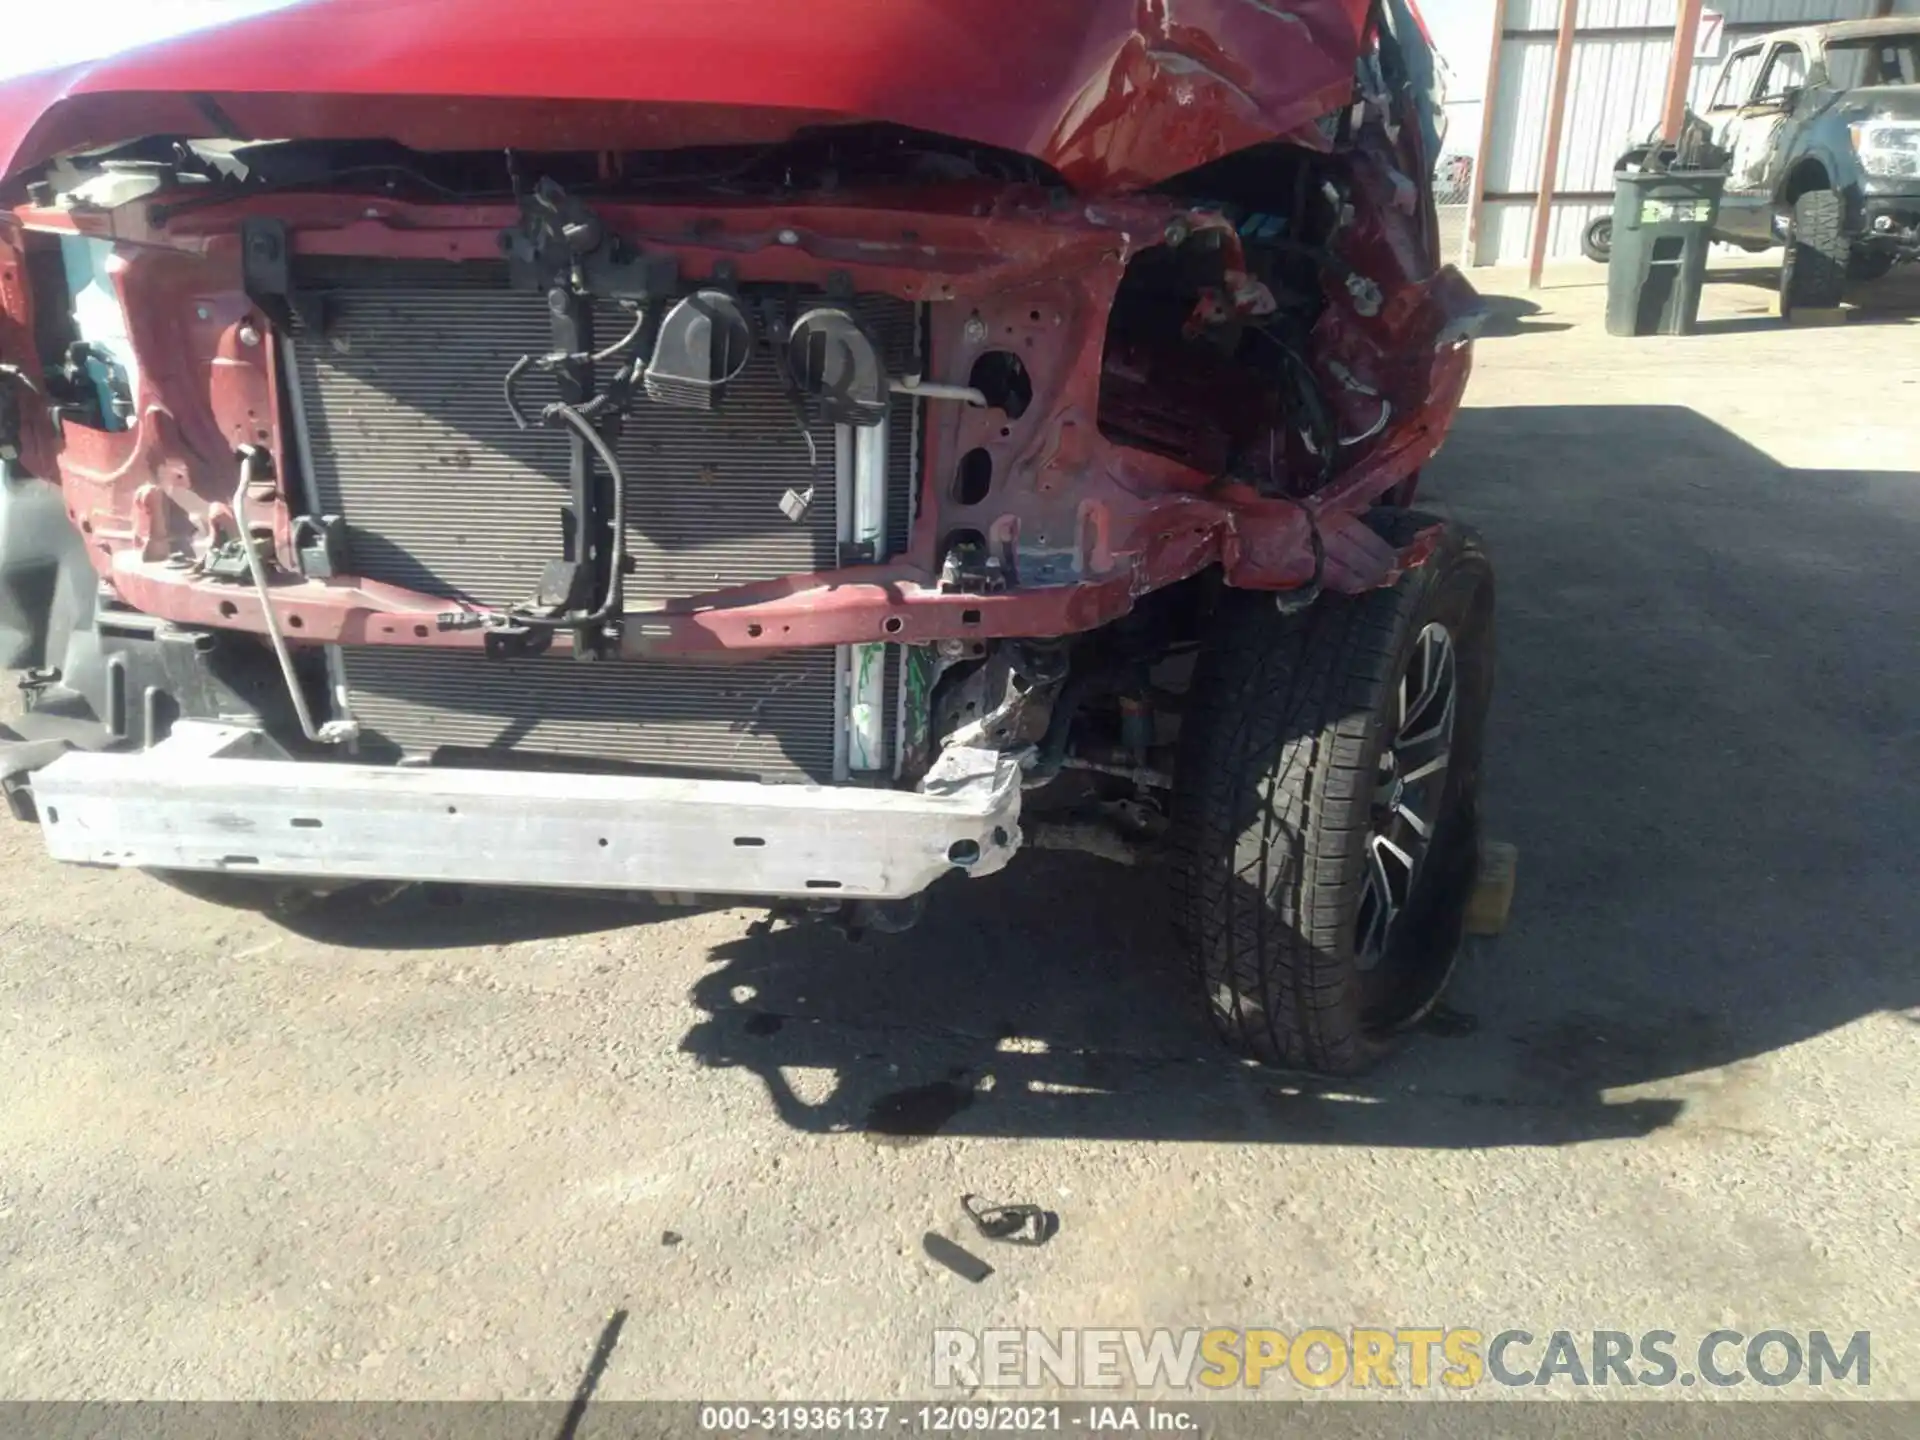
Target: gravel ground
{"type": "Point", "coordinates": [427, 1151]}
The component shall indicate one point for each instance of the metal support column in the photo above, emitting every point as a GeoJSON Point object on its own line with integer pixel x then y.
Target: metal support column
{"type": "Point", "coordinates": [1686, 35]}
{"type": "Point", "coordinates": [1556, 119]}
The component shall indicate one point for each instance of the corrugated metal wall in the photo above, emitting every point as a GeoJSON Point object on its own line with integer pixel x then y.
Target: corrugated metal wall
{"type": "Point", "coordinates": [1614, 94]}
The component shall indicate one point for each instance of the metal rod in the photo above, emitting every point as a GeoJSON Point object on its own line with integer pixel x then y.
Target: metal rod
{"type": "Point", "coordinates": [1686, 35]}
{"type": "Point", "coordinates": [1556, 119]}
{"type": "Point", "coordinates": [334, 731]}
{"type": "Point", "coordinates": [934, 390]}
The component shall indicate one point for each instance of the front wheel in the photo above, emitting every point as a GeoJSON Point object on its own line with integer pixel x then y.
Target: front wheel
{"type": "Point", "coordinates": [1815, 268]}
{"type": "Point", "coordinates": [1326, 821]}
{"type": "Point", "coordinates": [1596, 241]}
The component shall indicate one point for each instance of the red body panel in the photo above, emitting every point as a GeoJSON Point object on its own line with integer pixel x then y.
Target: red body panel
{"type": "Point", "coordinates": [1115, 94]}
{"type": "Point", "coordinates": [1112, 93]}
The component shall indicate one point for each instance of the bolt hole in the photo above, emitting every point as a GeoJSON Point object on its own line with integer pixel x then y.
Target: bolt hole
{"type": "Point", "coordinates": [296, 623]}
{"type": "Point", "coordinates": [969, 617]}
{"type": "Point", "coordinates": [754, 632]}
{"type": "Point", "coordinates": [1002, 377]}
{"type": "Point", "coordinates": [603, 842]}
{"type": "Point", "coordinates": [974, 478]}
{"type": "Point", "coordinates": [453, 809]}
{"type": "Point", "coordinates": [420, 631]}
{"type": "Point", "coordinates": [53, 816]}
{"type": "Point", "coordinates": [893, 625]}
{"type": "Point", "coordinates": [1033, 314]}
{"type": "Point", "coordinates": [228, 609]}
{"type": "Point", "coordinates": [963, 852]}
{"type": "Point", "coordinates": [1000, 836]}
{"type": "Point", "coordinates": [86, 527]}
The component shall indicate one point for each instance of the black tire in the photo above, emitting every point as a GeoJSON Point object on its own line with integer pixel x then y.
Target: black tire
{"type": "Point", "coordinates": [1814, 271]}
{"type": "Point", "coordinates": [1286, 733]}
{"type": "Point", "coordinates": [1596, 241]}
{"type": "Point", "coordinates": [1866, 266]}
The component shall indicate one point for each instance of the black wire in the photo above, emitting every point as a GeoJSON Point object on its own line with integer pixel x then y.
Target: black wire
{"type": "Point", "coordinates": [165, 211]}
{"type": "Point", "coordinates": [600, 357]}
{"type": "Point", "coordinates": [796, 396]}
{"type": "Point", "coordinates": [1306, 386]}
{"type": "Point", "coordinates": [509, 384]}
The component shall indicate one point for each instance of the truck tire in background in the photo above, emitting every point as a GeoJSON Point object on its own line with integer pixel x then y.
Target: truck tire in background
{"type": "Point", "coordinates": [1814, 271]}
{"type": "Point", "coordinates": [1319, 919]}
{"type": "Point", "coordinates": [1596, 241]}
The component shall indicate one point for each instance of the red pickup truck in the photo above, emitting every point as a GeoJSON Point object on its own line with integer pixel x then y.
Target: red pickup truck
{"type": "Point", "coordinates": [753, 449]}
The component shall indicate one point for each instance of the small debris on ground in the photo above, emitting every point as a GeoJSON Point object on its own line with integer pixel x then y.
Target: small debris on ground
{"type": "Point", "coordinates": [1011, 1224]}
{"type": "Point", "coordinates": [960, 1261]}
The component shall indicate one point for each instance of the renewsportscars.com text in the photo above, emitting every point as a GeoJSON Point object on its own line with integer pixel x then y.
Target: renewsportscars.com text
{"type": "Point", "coordinates": [1413, 1358]}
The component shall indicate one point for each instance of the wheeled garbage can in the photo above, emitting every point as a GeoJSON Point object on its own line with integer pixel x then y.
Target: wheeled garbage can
{"type": "Point", "coordinates": [1662, 225]}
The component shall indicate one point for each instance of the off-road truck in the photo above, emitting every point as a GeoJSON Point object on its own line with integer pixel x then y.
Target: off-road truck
{"type": "Point", "coordinates": [1823, 126]}
{"type": "Point", "coordinates": [751, 449]}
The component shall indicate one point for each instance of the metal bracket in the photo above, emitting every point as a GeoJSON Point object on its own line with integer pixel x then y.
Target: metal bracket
{"type": "Point", "coordinates": [560, 237]}
{"type": "Point", "coordinates": [321, 543]}
{"type": "Point", "coordinates": [266, 274]}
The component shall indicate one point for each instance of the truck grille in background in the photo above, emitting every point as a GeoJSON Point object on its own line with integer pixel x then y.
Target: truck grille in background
{"type": "Point", "coordinates": [412, 444]}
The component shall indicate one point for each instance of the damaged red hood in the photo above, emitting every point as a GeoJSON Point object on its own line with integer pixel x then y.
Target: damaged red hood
{"type": "Point", "coordinates": [1115, 94]}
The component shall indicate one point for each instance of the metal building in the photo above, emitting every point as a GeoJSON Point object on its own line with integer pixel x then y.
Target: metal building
{"type": "Point", "coordinates": [1615, 91]}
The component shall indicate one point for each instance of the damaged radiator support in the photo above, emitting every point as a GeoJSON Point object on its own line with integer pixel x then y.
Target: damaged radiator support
{"type": "Point", "coordinates": [402, 433]}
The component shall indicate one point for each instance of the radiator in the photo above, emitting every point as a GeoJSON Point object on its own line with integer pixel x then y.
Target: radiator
{"type": "Point", "coordinates": [410, 442]}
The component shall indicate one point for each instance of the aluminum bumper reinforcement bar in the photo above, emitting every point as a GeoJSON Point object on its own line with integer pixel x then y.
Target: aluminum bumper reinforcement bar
{"type": "Point", "coordinates": [196, 802]}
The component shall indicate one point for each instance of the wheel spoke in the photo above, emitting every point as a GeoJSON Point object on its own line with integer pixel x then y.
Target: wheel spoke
{"type": "Point", "coordinates": [1377, 912]}
{"type": "Point", "coordinates": [1406, 812]}
{"type": "Point", "coordinates": [1426, 768]}
{"type": "Point", "coordinates": [1381, 842]}
{"type": "Point", "coordinates": [1432, 709]}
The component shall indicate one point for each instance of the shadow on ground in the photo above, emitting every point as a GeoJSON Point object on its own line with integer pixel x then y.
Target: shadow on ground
{"type": "Point", "coordinates": [1510, 315]}
{"type": "Point", "coordinates": [1894, 299]}
{"type": "Point", "coordinates": [1703, 744]}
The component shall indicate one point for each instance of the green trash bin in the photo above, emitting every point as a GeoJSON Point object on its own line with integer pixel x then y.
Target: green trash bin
{"type": "Point", "coordinates": [1662, 225]}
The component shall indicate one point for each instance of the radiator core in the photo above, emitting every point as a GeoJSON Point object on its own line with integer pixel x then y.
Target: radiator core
{"type": "Point", "coordinates": [411, 443]}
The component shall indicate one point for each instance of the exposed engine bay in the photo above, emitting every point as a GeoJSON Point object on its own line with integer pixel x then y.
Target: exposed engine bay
{"type": "Point", "coordinates": [836, 495]}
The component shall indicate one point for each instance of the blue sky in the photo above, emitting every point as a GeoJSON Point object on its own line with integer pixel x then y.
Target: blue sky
{"type": "Point", "coordinates": [47, 33]}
